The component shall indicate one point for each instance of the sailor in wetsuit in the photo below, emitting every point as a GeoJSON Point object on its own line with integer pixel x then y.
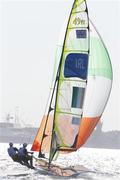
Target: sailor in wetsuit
{"type": "Point", "coordinates": [12, 151]}
{"type": "Point", "coordinates": [25, 157]}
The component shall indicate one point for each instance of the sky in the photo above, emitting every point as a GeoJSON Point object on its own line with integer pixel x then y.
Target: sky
{"type": "Point", "coordinates": [29, 33]}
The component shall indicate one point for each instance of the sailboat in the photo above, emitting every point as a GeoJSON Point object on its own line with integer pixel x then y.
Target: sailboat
{"type": "Point", "coordinates": [80, 92]}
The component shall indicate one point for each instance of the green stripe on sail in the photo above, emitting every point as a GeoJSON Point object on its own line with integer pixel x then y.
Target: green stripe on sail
{"type": "Point", "coordinates": [99, 60]}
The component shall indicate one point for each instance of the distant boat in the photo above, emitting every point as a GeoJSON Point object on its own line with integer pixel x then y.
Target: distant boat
{"type": "Point", "coordinates": [6, 123]}
{"type": "Point", "coordinates": [80, 93]}
{"type": "Point", "coordinates": [10, 121]}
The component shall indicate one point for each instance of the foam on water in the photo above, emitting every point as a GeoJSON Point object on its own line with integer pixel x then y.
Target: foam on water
{"type": "Point", "coordinates": [102, 163]}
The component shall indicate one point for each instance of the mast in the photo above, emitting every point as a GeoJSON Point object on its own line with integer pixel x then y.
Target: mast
{"type": "Point", "coordinates": [57, 79]}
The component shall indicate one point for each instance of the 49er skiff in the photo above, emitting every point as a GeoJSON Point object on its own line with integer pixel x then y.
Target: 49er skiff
{"type": "Point", "coordinates": [80, 92]}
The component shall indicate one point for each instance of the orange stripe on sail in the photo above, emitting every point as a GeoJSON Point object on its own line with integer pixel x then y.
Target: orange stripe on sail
{"type": "Point", "coordinates": [36, 144]}
{"type": "Point", "coordinates": [39, 143]}
{"type": "Point", "coordinates": [86, 127]}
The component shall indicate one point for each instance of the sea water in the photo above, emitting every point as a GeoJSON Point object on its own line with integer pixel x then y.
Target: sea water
{"type": "Point", "coordinates": [102, 164]}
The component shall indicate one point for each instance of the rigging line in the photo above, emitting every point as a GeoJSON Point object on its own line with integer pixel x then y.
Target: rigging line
{"type": "Point", "coordinates": [50, 159]}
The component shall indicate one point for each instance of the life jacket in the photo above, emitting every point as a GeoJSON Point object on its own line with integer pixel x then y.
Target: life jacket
{"type": "Point", "coordinates": [22, 152]}
{"type": "Point", "coordinates": [11, 151]}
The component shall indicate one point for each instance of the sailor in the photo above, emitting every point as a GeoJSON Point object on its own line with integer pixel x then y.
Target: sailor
{"type": "Point", "coordinates": [13, 152]}
{"type": "Point", "coordinates": [23, 154]}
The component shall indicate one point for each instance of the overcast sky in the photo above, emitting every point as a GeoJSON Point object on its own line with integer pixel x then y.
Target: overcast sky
{"type": "Point", "coordinates": [29, 33]}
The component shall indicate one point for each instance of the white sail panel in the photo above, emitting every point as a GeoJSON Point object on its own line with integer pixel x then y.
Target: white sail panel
{"type": "Point", "coordinates": [77, 40]}
{"type": "Point", "coordinates": [66, 99]}
{"type": "Point", "coordinates": [97, 93]}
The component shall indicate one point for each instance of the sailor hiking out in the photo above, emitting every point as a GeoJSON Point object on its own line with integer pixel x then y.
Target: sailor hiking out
{"type": "Point", "coordinates": [24, 156]}
{"type": "Point", "coordinates": [21, 155]}
{"type": "Point", "coordinates": [13, 152]}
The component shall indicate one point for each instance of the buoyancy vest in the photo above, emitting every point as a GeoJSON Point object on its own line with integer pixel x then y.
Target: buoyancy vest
{"type": "Point", "coordinates": [22, 152]}
{"type": "Point", "coordinates": [11, 151]}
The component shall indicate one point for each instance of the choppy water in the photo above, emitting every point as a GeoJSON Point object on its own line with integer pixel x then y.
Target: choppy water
{"type": "Point", "coordinates": [102, 163]}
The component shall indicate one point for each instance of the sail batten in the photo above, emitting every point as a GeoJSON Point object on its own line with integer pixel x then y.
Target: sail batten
{"type": "Point", "coordinates": [77, 12]}
{"type": "Point", "coordinates": [77, 80]}
{"type": "Point", "coordinates": [62, 112]}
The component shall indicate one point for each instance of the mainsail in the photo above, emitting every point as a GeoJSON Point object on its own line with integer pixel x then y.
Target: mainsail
{"type": "Point", "coordinates": [81, 89]}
